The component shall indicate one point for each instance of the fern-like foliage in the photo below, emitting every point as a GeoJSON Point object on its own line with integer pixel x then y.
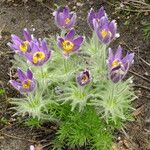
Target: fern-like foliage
{"type": "Point", "coordinates": [146, 30]}
{"type": "Point", "coordinates": [80, 129]}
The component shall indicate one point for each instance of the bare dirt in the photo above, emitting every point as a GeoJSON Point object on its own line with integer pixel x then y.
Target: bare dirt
{"type": "Point", "coordinates": [14, 16]}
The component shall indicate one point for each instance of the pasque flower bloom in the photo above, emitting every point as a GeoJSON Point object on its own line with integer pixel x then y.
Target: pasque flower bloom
{"type": "Point", "coordinates": [21, 46]}
{"type": "Point", "coordinates": [95, 15]}
{"type": "Point", "coordinates": [118, 66]}
{"type": "Point", "coordinates": [27, 82]}
{"type": "Point", "coordinates": [84, 78]}
{"type": "Point", "coordinates": [105, 30]}
{"type": "Point", "coordinates": [39, 54]}
{"type": "Point", "coordinates": [64, 19]}
{"type": "Point", "coordinates": [69, 44]}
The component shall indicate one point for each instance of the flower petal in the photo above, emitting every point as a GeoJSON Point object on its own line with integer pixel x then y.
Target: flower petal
{"type": "Point", "coordinates": [110, 57]}
{"type": "Point", "coordinates": [44, 46]}
{"type": "Point", "coordinates": [101, 13]}
{"type": "Point", "coordinates": [16, 39]}
{"type": "Point", "coordinates": [60, 41]}
{"type": "Point", "coordinates": [113, 28]}
{"type": "Point", "coordinates": [91, 16]}
{"type": "Point", "coordinates": [27, 35]}
{"type": "Point", "coordinates": [72, 21]}
{"type": "Point", "coordinates": [29, 74]}
{"type": "Point", "coordinates": [66, 11]}
{"type": "Point", "coordinates": [118, 54]}
{"type": "Point", "coordinates": [78, 41]}
{"type": "Point", "coordinates": [128, 58]}
{"type": "Point", "coordinates": [21, 75]}
{"type": "Point", "coordinates": [70, 35]}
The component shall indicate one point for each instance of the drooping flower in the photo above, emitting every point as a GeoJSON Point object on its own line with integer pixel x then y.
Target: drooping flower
{"type": "Point", "coordinates": [21, 46]}
{"type": "Point", "coordinates": [118, 66]}
{"type": "Point", "coordinates": [95, 15]}
{"type": "Point", "coordinates": [105, 30]}
{"type": "Point", "coordinates": [27, 82]}
{"type": "Point", "coordinates": [64, 19]}
{"type": "Point", "coordinates": [39, 54]}
{"type": "Point", "coordinates": [69, 44]}
{"type": "Point", "coordinates": [84, 78]}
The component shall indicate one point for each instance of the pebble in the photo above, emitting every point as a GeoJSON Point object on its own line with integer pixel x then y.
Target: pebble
{"type": "Point", "coordinates": [79, 4]}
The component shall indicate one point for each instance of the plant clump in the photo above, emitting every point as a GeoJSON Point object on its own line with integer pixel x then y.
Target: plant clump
{"type": "Point", "coordinates": [76, 82]}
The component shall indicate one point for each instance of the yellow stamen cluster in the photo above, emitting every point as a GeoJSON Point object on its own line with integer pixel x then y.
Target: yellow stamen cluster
{"type": "Point", "coordinates": [85, 78]}
{"type": "Point", "coordinates": [24, 46]}
{"type": "Point", "coordinates": [116, 63]}
{"type": "Point", "coordinates": [38, 56]}
{"type": "Point", "coordinates": [67, 20]}
{"type": "Point", "coordinates": [26, 84]}
{"type": "Point", "coordinates": [105, 33]}
{"type": "Point", "coordinates": [67, 46]}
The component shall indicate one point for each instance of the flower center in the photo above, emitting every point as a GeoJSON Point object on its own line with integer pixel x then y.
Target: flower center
{"type": "Point", "coordinates": [116, 63]}
{"type": "Point", "coordinates": [67, 46]}
{"type": "Point", "coordinates": [38, 56]}
{"type": "Point", "coordinates": [85, 78]}
{"type": "Point", "coordinates": [67, 20]}
{"type": "Point", "coordinates": [105, 33]}
{"type": "Point", "coordinates": [26, 84]}
{"type": "Point", "coordinates": [24, 46]}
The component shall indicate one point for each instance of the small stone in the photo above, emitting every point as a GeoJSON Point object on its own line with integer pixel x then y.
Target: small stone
{"type": "Point", "coordinates": [74, 7]}
{"type": "Point", "coordinates": [119, 138]}
{"type": "Point", "coordinates": [146, 73]}
{"type": "Point", "coordinates": [79, 4]}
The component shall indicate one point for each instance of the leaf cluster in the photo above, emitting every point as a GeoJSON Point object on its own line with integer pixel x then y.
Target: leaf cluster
{"type": "Point", "coordinates": [81, 129]}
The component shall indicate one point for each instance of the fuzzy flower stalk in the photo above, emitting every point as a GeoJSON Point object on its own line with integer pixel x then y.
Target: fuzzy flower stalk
{"type": "Point", "coordinates": [118, 66]}
{"type": "Point", "coordinates": [64, 19]}
{"type": "Point", "coordinates": [26, 82]}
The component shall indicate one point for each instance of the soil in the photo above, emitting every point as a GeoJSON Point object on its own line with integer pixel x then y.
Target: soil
{"type": "Point", "coordinates": [37, 16]}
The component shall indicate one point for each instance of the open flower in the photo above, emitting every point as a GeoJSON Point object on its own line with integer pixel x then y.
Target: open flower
{"type": "Point", "coordinates": [118, 66]}
{"type": "Point", "coordinates": [39, 54]}
{"type": "Point", "coordinates": [21, 46]}
{"type": "Point", "coordinates": [27, 82]}
{"type": "Point", "coordinates": [105, 30]}
{"type": "Point", "coordinates": [64, 19]}
{"type": "Point", "coordinates": [95, 15]}
{"type": "Point", "coordinates": [84, 78]}
{"type": "Point", "coordinates": [69, 44]}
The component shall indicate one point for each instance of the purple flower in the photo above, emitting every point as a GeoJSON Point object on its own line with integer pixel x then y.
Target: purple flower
{"type": "Point", "coordinates": [39, 54]}
{"type": "Point", "coordinates": [21, 46]}
{"type": "Point", "coordinates": [69, 44]}
{"type": "Point", "coordinates": [95, 15]}
{"type": "Point", "coordinates": [84, 78]}
{"type": "Point", "coordinates": [118, 66]}
{"type": "Point", "coordinates": [64, 19]}
{"type": "Point", "coordinates": [27, 82]}
{"type": "Point", "coordinates": [105, 30]}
